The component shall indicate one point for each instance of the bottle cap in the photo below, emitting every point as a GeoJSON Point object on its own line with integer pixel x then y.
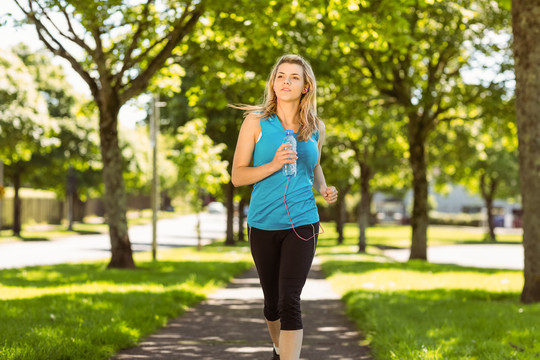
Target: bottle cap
{"type": "Point", "coordinates": [288, 132]}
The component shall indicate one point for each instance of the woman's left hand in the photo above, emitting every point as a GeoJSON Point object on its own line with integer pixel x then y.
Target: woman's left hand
{"type": "Point", "coordinates": [329, 194]}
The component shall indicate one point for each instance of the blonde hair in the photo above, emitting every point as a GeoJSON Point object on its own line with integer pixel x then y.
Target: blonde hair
{"type": "Point", "coordinates": [309, 122]}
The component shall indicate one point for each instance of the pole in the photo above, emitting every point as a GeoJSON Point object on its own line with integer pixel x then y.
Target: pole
{"type": "Point", "coordinates": [2, 192]}
{"type": "Point", "coordinates": [154, 198]}
{"type": "Point", "coordinates": [154, 132]}
{"type": "Point", "coordinates": [70, 193]}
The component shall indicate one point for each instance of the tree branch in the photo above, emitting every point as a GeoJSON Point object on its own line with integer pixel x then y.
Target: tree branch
{"type": "Point", "coordinates": [99, 58]}
{"type": "Point", "coordinates": [129, 52]}
{"type": "Point", "coordinates": [76, 39]}
{"type": "Point", "coordinates": [379, 83]}
{"type": "Point", "coordinates": [46, 37]}
{"type": "Point", "coordinates": [181, 29]}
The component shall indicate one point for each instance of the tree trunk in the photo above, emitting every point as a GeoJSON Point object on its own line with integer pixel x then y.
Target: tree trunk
{"type": "Point", "coordinates": [419, 219]}
{"type": "Point", "coordinates": [364, 209]}
{"type": "Point", "coordinates": [229, 191]}
{"type": "Point", "coordinates": [488, 193]}
{"type": "Point", "coordinates": [16, 204]}
{"type": "Point", "coordinates": [490, 236]}
{"type": "Point", "coordinates": [115, 195]}
{"type": "Point", "coordinates": [526, 21]}
{"type": "Point", "coordinates": [241, 219]}
{"type": "Point", "coordinates": [341, 215]}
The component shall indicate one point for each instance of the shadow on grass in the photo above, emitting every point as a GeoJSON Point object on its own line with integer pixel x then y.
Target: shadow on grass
{"type": "Point", "coordinates": [483, 320]}
{"type": "Point", "coordinates": [472, 242]}
{"type": "Point", "coordinates": [59, 235]}
{"type": "Point", "coordinates": [83, 311]}
{"type": "Point", "coordinates": [33, 238]}
{"type": "Point", "coordinates": [446, 324]}
{"type": "Point", "coordinates": [85, 326]}
{"type": "Point", "coordinates": [164, 273]}
{"type": "Point", "coordinates": [354, 266]}
{"type": "Point", "coordinates": [88, 232]}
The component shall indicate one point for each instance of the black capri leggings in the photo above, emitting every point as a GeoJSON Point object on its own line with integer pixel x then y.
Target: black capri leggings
{"type": "Point", "coordinates": [283, 261]}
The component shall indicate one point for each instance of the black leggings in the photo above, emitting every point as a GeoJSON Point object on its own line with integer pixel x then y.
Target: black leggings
{"type": "Point", "coordinates": [283, 261]}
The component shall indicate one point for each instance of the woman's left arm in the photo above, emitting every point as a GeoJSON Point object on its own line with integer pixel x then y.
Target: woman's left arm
{"type": "Point", "coordinates": [329, 193]}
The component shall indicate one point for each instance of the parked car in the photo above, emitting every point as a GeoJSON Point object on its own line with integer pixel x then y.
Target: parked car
{"type": "Point", "coordinates": [216, 208]}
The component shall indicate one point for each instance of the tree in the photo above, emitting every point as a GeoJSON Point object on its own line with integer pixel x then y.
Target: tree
{"type": "Point", "coordinates": [124, 44]}
{"type": "Point", "coordinates": [494, 168]}
{"type": "Point", "coordinates": [412, 52]}
{"type": "Point", "coordinates": [527, 69]}
{"type": "Point", "coordinates": [369, 136]}
{"type": "Point", "coordinates": [201, 169]}
{"type": "Point", "coordinates": [338, 162]}
{"type": "Point", "coordinates": [24, 124]}
{"type": "Point", "coordinates": [75, 157]}
{"type": "Point", "coordinates": [232, 55]}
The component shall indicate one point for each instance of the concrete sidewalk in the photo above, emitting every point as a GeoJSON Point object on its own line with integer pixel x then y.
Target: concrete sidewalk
{"type": "Point", "coordinates": [230, 325]}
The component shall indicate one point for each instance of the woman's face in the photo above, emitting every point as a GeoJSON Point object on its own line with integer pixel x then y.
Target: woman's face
{"type": "Point", "coordinates": [289, 82]}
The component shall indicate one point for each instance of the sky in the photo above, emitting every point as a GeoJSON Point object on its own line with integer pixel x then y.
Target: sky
{"type": "Point", "coordinates": [130, 114]}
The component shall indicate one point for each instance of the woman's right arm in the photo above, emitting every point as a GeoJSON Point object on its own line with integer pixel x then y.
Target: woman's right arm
{"type": "Point", "coordinates": [242, 173]}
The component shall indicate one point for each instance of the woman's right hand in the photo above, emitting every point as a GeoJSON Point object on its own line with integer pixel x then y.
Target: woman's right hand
{"type": "Point", "coordinates": [284, 156]}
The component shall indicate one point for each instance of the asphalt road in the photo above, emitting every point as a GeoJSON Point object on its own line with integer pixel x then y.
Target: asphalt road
{"type": "Point", "coordinates": [181, 232]}
{"type": "Point", "coordinates": [170, 233]}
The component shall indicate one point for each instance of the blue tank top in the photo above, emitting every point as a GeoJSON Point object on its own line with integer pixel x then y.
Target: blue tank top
{"type": "Point", "coordinates": [266, 209]}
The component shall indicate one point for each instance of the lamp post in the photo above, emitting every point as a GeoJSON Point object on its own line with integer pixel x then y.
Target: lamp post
{"type": "Point", "coordinates": [70, 193]}
{"type": "Point", "coordinates": [154, 132]}
{"type": "Point", "coordinates": [2, 191]}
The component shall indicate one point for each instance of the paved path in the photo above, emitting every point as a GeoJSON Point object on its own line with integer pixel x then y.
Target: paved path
{"type": "Point", "coordinates": [497, 256]}
{"type": "Point", "coordinates": [229, 325]}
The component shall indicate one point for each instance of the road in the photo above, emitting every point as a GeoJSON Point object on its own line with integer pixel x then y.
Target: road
{"type": "Point", "coordinates": [181, 232]}
{"type": "Point", "coordinates": [170, 233]}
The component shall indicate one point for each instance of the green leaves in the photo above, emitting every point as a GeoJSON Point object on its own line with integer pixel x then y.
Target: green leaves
{"type": "Point", "coordinates": [199, 162]}
{"type": "Point", "coordinates": [23, 111]}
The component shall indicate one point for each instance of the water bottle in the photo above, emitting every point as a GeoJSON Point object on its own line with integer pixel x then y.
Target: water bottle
{"type": "Point", "coordinates": [289, 169]}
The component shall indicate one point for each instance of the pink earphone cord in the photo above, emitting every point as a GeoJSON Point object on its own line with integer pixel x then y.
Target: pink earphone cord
{"type": "Point", "coordinates": [286, 207]}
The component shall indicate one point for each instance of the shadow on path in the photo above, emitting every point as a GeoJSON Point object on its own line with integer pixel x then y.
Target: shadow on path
{"type": "Point", "coordinates": [230, 325]}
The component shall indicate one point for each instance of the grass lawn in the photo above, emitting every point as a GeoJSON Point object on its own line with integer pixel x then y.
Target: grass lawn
{"type": "Point", "coordinates": [83, 311]}
{"type": "Point", "coordinates": [418, 310]}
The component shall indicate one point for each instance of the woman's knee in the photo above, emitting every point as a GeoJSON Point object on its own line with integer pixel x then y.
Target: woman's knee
{"type": "Point", "coordinates": [290, 312]}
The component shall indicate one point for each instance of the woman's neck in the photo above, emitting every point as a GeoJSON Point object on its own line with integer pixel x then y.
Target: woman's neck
{"type": "Point", "coordinates": [288, 115]}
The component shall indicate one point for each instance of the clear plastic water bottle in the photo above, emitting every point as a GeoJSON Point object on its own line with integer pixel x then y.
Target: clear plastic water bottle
{"type": "Point", "coordinates": [289, 169]}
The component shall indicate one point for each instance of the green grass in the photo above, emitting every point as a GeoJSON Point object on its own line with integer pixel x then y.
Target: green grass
{"type": "Point", "coordinates": [83, 311]}
{"type": "Point", "coordinates": [418, 310]}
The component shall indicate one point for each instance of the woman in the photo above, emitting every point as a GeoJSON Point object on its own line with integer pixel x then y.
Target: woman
{"type": "Point", "coordinates": [283, 221]}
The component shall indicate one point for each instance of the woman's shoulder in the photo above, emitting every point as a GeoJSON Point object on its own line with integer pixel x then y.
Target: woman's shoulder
{"type": "Point", "coordinates": [252, 120]}
{"type": "Point", "coordinates": [253, 117]}
{"type": "Point", "coordinates": [252, 124]}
